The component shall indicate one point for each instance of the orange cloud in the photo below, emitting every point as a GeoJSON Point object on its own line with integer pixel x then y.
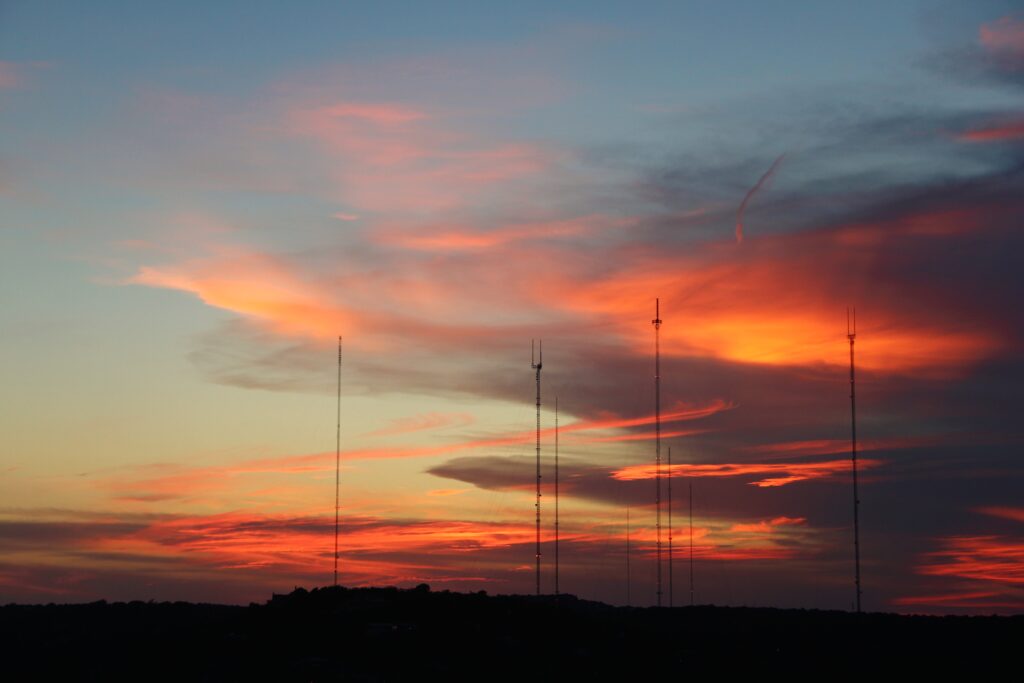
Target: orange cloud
{"type": "Point", "coordinates": [374, 551]}
{"type": "Point", "coordinates": [446, 492]}
{"type": "Point", "coordinates": [256, 286]}
{"type": "Point", "coordinates": [679, 412]}
{"type": "Point", "coordinates": [782, 473]}
{"type": "Point", "coordinates": [986, 600]}
{"type": "Point", "coordinates": [833, 446]}
{"type": "Point", "coordinates": [735, 542]}
{"type": "Point", "coordinates": [767, 310]}
{"type": "Point", "coordinates": [980, 558]}
{"type": "Point", "coordinates": [777, 302]}
{"type": "Point", "coordinates": [768, 526]}
{"type": "Point", "coordinates": [158, 483]}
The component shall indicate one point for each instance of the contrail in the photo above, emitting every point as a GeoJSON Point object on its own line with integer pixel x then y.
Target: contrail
{"type": "Point", "coordinates": [750, 194]}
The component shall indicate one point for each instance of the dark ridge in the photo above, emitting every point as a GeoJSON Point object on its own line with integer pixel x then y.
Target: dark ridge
{"type": "Point", "coordinates": [382, 634]}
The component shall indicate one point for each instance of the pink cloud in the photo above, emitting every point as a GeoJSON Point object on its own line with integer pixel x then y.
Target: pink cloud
{"type": "Point", "coordinates": [462, 238]}
{"type": "Point", "coordinates": [10, 75]}
{"type": "Point", "coordinates": [1005, 35]}
{"type": "Point", "coordinates": [379, 114]}
{"type": "Point", "coordinates": [390, 157]}
{"type": "Point", "coordinates": [1001, 132]}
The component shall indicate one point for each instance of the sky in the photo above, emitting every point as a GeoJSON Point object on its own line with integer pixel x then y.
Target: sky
{"type": "Point", "coordinates": [198, 199]}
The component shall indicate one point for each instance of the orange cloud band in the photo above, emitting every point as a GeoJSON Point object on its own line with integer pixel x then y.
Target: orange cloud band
{"type": "Point", "coordinates": [782, 473]}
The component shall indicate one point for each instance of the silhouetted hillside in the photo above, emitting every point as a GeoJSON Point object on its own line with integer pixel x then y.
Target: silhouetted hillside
{"type": "Point", "coordinates": [391, 634]}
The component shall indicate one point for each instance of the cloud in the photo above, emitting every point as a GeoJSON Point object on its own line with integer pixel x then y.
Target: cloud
{"type": "Point", "coordinates": [782, 473]}
{"type": "Point", "coordinates": [390, 157]}
{"type": "Point", "coordinates": [740, 213]}
{"type": "Point", "coordinates": [446, 492]}
{"type": "Point", "coordinates": [255, 285]}
{"type": "Point", "coordinates": [996, 132]}
{"type": "Point", "coordinates": [470, 242]}
{"type": "Point", "coordinates": [832, 446]}
{"type": "Point", "coordinates": [975, 571]}
{"type": "Point", "coordinates": [240, 556]}
{"type": "Point", "coordinates": [1012, 513]}
{"type": "Point", "coordinates": [198, 555]}
{"type": "Point", "coordinates": [1004, 36]}
{"type": "Point", "coordinates": [161, 483]}
{"type": "Point", "coordinates": [768, 526]}
{"type": "Point", "coordinates": [425, 421]}
{"type": "Point", "coordinates": [979, 601]}
{"type": "Point", "coordinates": [444, 238]}
{"type": "Point", "coordinates": [9, 75]}
{"type": "Point", "coordinates": [979, 558]}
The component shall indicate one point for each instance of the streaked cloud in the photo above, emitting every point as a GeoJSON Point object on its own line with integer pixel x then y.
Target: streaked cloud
{"type": "Point", "coordinates": [782, 473]}
{"type": "Point", "coordinates": [9, 76]}
{"type": "Point", "coordinates": [995, 132]}
{"type": "Point", "coordinates": [423, 422]}
{"type": "Point", "coordinates": [1004, 35]}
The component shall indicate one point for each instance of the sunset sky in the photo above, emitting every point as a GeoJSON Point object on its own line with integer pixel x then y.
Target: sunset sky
{"type": "Point", "coordinates": [197, 199]}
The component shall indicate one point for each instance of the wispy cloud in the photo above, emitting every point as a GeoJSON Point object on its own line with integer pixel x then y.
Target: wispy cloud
{"type": "Point", "coordinates": [393, 158]}
{"type": "Point", "coordinates": [769, 525]}
{"type": "Point", "coordinates": [1011, 513]}
{"type": "Point", "coordinates": [232, 482]}
{"type": "Point", "coordinates": [993, 559]}
{"type": "Point", "coordinates": [9, 75]}
{"type": "Point", "coordinates": [783, 473]}
{"type": "Point", "coordinates": [995, 132]}
{"type": "Point", "coordinates": [741, 212]}
{"type": "Point", "coordinates": [1004, 36]}
{"type": "Point", "coordinates": [423, 422]}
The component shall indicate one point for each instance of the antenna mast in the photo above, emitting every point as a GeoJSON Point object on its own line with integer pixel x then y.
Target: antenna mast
{"type": "Point", "coordinates": [691, 541]}
{"type": "Point", "coordinates": [629, 600]}
{"type": "Point", "coordinates": [337, 468]}
{"type": "Point", "coordinates": [556, 495]}
{"type": "Point", "coordinates": [670, 599]}
{"type": "Point", "coordinates": [657, 431]}
{"type": "Point", "coordinates": [537, 363]}
{"type": "Point", "coordinates": [851, 334]}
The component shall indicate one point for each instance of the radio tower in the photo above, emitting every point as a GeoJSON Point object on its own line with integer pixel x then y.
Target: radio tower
{"type": "Point", "coordinates": [691, 541]}
{"type": "Point", "coordinates": [537, 363]}
{"type": "Point", "coordinates": [556, 496]}
{"type": "Point", "coordinates": [629, 600]}
{"type": "Point", "coordinates": [670, 598]}
{"type": "Point", "coordinates": [337, 468]}
{"type": "Point", "coordinates": [851, 334]}
{"type": "Point", "coordinates": [657, 433]}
